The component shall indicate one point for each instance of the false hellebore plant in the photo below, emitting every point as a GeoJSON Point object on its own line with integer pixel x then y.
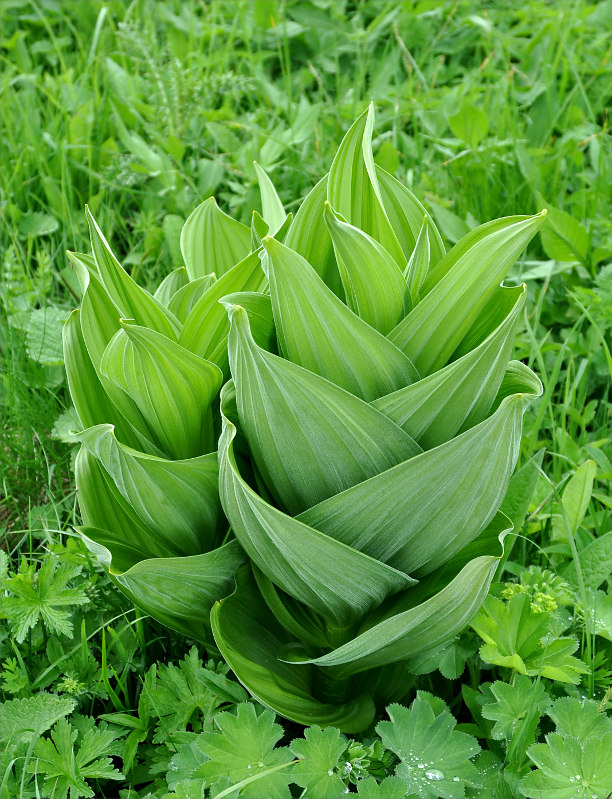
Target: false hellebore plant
{"type": "Point", "coordinates": [346, 520]}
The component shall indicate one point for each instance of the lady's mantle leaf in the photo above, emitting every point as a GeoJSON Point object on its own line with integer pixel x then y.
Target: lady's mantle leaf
{"type": "Point", "coordinates": [320, 752]}
{"type": "Point", "coordinates": [243, 746]}
{"type": "Point", "coordinates": [435, 758]}
{"type": "Point", "coordinates": [513, 703]}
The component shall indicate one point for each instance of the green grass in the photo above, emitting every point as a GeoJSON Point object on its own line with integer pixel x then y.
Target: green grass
{"type": "Point", "coordinates": [144, 109]}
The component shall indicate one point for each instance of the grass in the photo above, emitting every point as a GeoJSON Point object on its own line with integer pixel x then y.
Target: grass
{"type": "Point", "coordinates": [144, 109]}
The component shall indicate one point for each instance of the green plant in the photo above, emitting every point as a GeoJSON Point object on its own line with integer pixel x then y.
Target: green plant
{"type": "Point", "coordinates": [393, 373]}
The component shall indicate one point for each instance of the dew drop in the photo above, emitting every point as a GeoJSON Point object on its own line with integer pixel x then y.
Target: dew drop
{"type": "Point", "coordinates": [434, 774]}
{"type": "Point", "coordinates": [422, 765]}
{"type": "Point", "coordinates": [249, 766]}
{"type": "Point", "coordinates": [330, 773]}
{"type": "Point", "coordinates": [456, 779]}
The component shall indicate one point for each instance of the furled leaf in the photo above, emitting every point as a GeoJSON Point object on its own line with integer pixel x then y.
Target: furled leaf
{"type": "Point", "coordinates": [176, 280]}
{"type": "Point", "coordinates": [273, 211]}
{"type": "Point", "coordinates": [317, 331]}
{"type": "Point", "coordinates": [211, 241]}
{"type": "Point", "coordinates": [374, 285]}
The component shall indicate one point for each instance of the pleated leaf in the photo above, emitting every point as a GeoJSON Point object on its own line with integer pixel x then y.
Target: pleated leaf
{"type": "Point", "coordinates": [374, 285]}
{"type": "Point", "coordinates": [498, 307]}
{"type": "Point", "coordinates": [178, 592]}
{"type": "Point", "coordinates": [206, 328]}
{"type": "Point", "coordinates": [273, 211]}
{"type": "Point", "coordinates": [441, 499]}
{"type": "Point", "coordinates": [176, 280]}
{"type": "Point", "coordinates": [457, 396]}
{"type": "Point", "coordinates": [317, 331]}
{"type": "Point", "coordinates": [178, 500]}
{"type": "Point", "coordinates": [132, 300]}
{"type": "Point", "coordinates": [309, 237]}
{"type": "Point", "coordinates": [337, 582]}
{"type": "Point", "coordinates": [309, 438]}
{"type": "Point", "coordinates": [353, 190]}
{"type": "Point", "coordinates": [172, 387]}
{"type": "Point", "coordinates": [211, 241]}
{"type": "Point", "coordinates": [434, 328]}
{"type": "Point", "coordinates": [249, 638]}
{"type": "Point", "coordinates": [418, 263]}
{"type": "Point", "coordinates": [92, 404]}
{"type": "Point", "coordinates": [182, 302]}
{"type": "Point", "coordinates": [261, 318]}
{"type": "Point", "coordinates": [419, 629]}
{"type": "Point", "coordinates": [406, 212]}
{"type": "Point", "coordinates": [102, 505]}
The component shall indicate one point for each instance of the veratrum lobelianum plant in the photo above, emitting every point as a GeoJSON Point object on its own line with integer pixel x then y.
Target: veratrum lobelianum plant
{"type": "Point", "coordinates": [369, 421]}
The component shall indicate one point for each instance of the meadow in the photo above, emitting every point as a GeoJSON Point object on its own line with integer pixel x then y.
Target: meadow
{"type": "Point", "coordinates": [144, 110]}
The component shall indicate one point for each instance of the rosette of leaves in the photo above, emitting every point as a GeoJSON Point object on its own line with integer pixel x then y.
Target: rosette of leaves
{"type": "Point", "coordinates": [363, 467]}
{"type": "Point", "coordinates": [144, 372]}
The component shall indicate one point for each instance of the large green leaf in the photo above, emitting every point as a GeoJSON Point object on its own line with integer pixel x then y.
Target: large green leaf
{"type": "Point", "coordinates": [442, 498]}
{"type": "Point", "coordinates": [419, 629]}
{"type": "Point", "coordinates": [336, 581]}
{"type": "Point", "coordinates": [353, 190]}
{"type": "Point", "coordinates": [406, 212]}
{"type": "Point", "coordinates": [374, 285]}
{"type": "Point", "coordinates": [418, 263]}
{"type": "Point", "coordinates": [249, 638]}
{"type": "Point", "coordinates": [91, 402]}
{"type": "Point", "coordinates": [176, 280]}
{"type": "Point", "coordinates": [211, 241]}
{"type": "Point", "coordinates": [179, 592]}
{"type": "Point", "coordinates": [189, 519]}
{"type": "Point", "coordinates": [182, 302]}
{"type": "Point", "coordinates": [309, 237]}
{"type": "Point", "coordinates": [459, 288]}
{"type": "Point", "coordinates": [132, 300]}
{"type": "Point", "coordinates": [309, 438]}
{"type": "Point", "coordinates": [172, 388]}
{"type": "Point", "coordinates": [206, 328]}
{"type": "Point", "coordinates": [317, 331]}
{"type": "Point", "coordinates": [102, 505]}
{"type": "Point", "coordinates": [458, 396]}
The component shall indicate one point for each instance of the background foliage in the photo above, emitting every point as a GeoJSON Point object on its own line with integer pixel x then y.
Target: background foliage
{"type": "Point", "coordinates": [145, 109]}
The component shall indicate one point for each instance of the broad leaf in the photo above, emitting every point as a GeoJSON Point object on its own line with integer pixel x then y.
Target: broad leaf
{"type": "Point", "coordinates": [211, 241]}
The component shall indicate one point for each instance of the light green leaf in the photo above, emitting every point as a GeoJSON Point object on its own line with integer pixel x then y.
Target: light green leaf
{"type": "Point", "coordinates": [184, 299]}
{"type": "Point", "coordinates": [190, 520]}
{"type": "Point", "coordinates": [459, 395]}
{"type": "Point", "coordinates": [309, 438]}
{"type": "Point", "coordinates": [563, 237]}
{"type": "Point", "coordinates": [132, 300]}
{"type": "Point", "coordinates": [176, 280]}
{"type": "Point", "coordinates": [317, 331]}
{"type": "Point", "coordinates": [418, 263]}
{"type": "Point", "coordinates": [273, 211]}
{"type": "Point", "coordinates": [249, 638]}
{"type": "Point", "coordinates": [455, 490]}
{"type": "Point", "coordinates": [211, 241]}
{"type": "Point", "coordinates": [334, 580]}
{"type": "Point", "coordinates": [353, 190]}
{"type": "Point", "coordinates": [172, 388]}
{"type": "Point", "coordinates": [178, 592]}
{"type": "Point", "coordinates": [44, 335]}
{"type": "Point", "coordinates": [309, 237]}
{"type": "Point", "coordinates": [595, 561]}
{"type": "Point", "coordinates": [470, 124]}
{"type": "Point", "coordinates": [407, 633]}
{"type": "Point", "coordinates": [206, 328]}
{"type": "Point", "coordinates": [575, 498]}
{"type": "Point", "coordinates": [406, 212]}
{"type": "Point", "coordinates": [374, 285]}
{"type": "Point", "coordinates": [459, 288]}
{"type": "Point", "coordinates": [513, 703]}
